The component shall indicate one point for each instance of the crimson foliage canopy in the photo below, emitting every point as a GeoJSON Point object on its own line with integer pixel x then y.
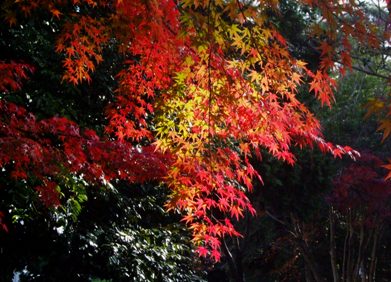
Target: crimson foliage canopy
{"type": "Point", "coordinates": [204, 86]}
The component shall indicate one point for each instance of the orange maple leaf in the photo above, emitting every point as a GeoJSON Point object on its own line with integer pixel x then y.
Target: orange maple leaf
{"type": "Point", "coordinates": [388, 166]}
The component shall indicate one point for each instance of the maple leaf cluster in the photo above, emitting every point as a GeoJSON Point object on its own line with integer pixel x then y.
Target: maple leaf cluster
{"type": "Point", "coordinates": [235, 94]}
{"type": "Point", "coordinates": [42, 150]}
{"type": "Point", "coordinates": [150, 31]}
{"type": "Point", "coordinates": [209, 83]}
{"type": "Point", "coordinates": [81, 42]}
{"type": "Point", "coordinates": [12, 75]}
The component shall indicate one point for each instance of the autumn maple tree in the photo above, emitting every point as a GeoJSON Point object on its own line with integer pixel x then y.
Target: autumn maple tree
{"type": "Point", "coordinates": [204, 86]}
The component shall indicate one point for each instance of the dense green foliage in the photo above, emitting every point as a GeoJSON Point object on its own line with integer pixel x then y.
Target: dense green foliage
{"type": "Point", "coordinates": [119, 234]}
